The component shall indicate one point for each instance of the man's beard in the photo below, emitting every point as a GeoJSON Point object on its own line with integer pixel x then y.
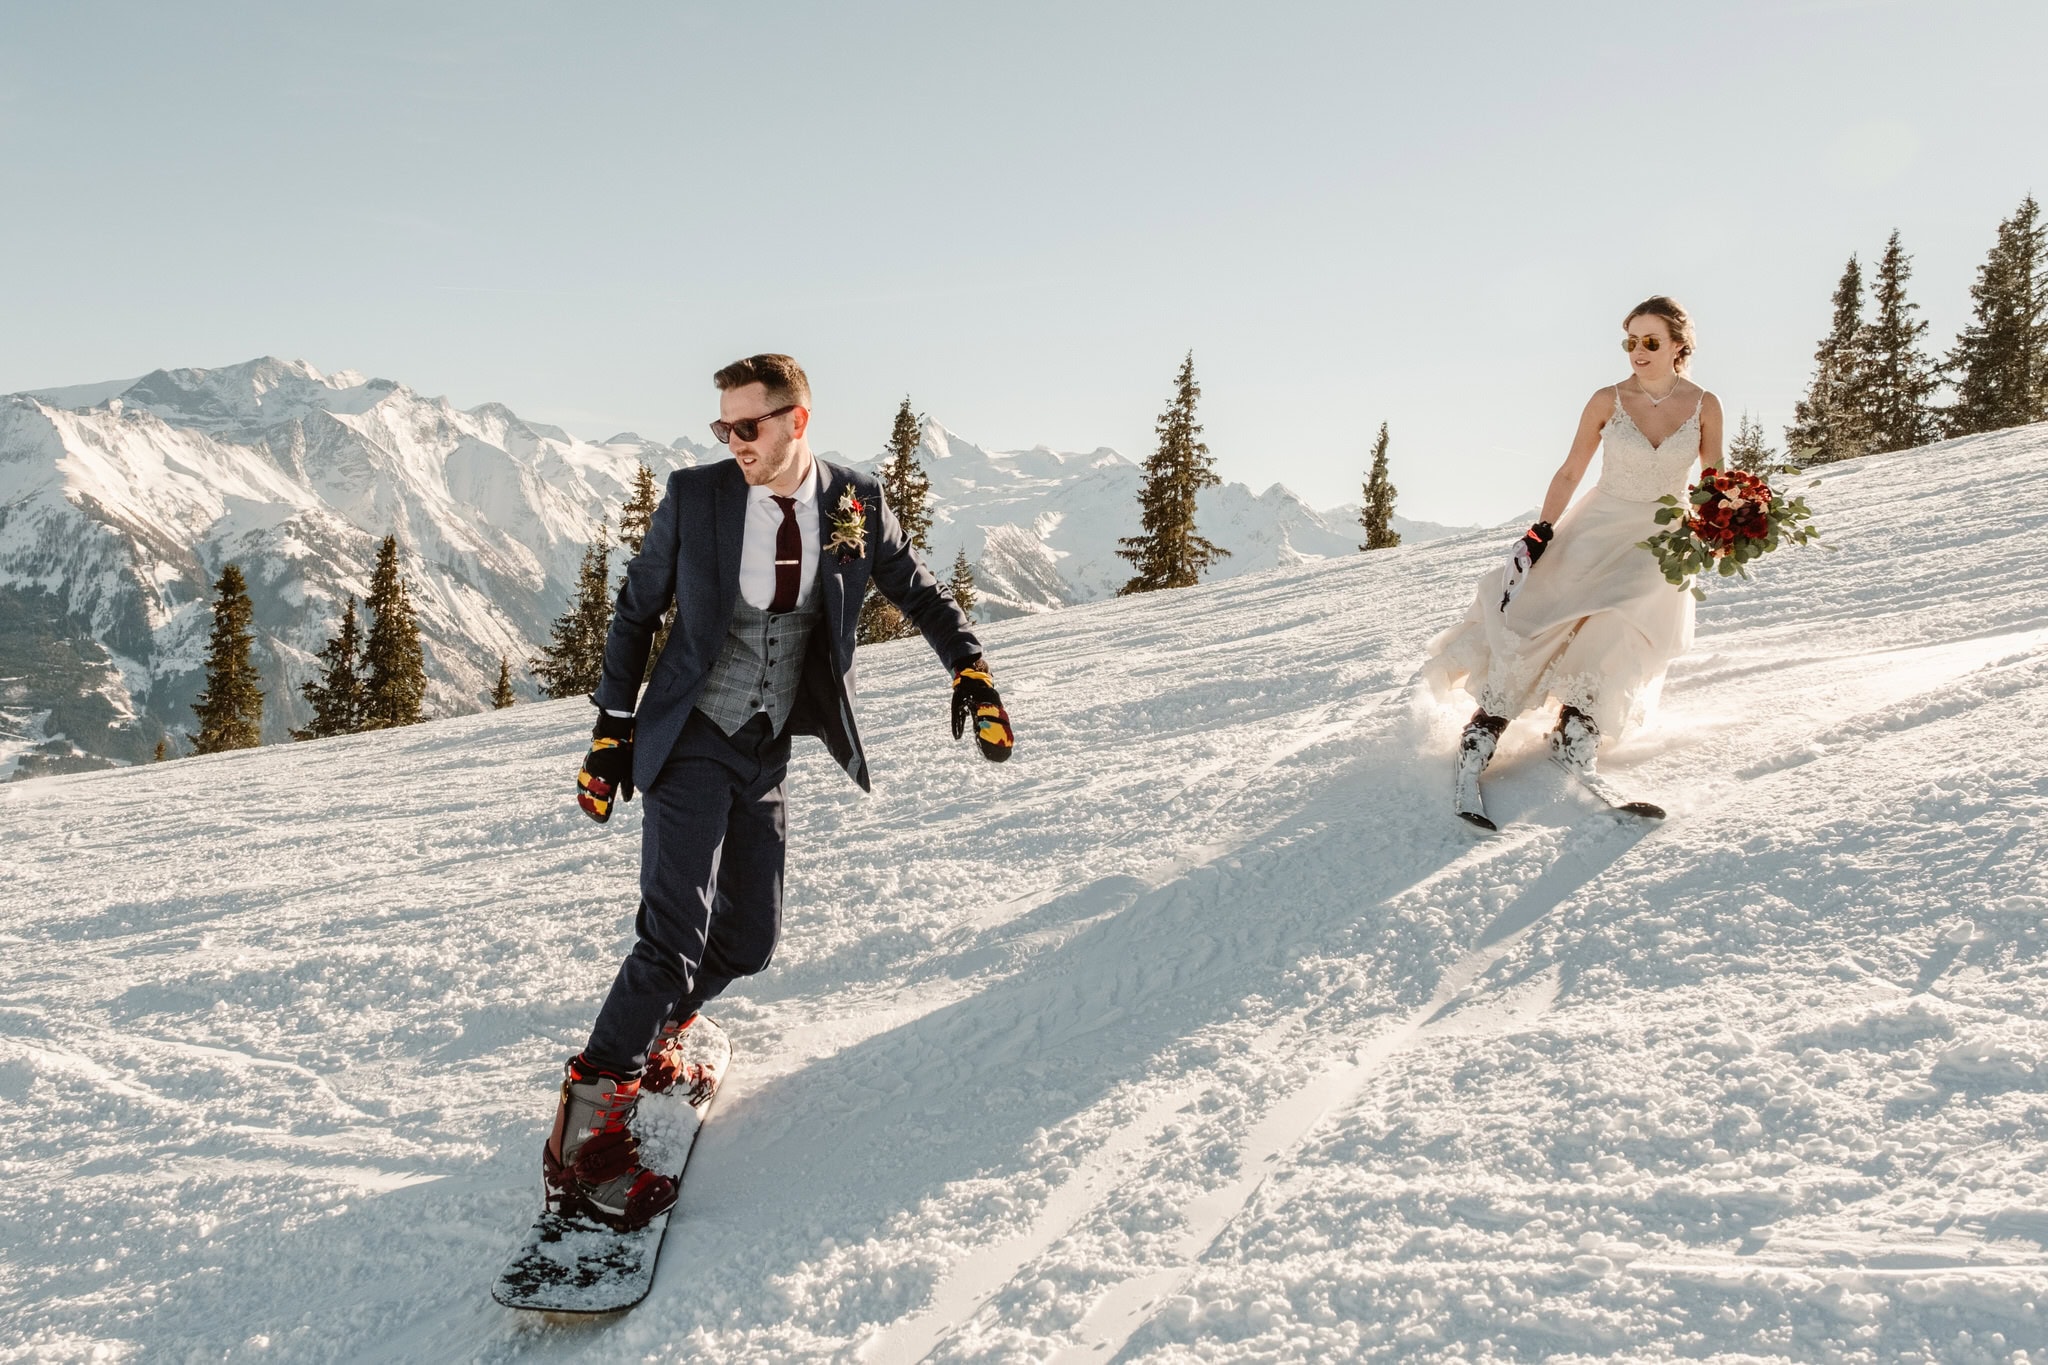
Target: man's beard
{"type": "Point", "coordinates": [763, 475]}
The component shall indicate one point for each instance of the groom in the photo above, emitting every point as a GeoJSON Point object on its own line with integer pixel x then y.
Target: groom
{"type": "Point", "coordinates": [766, 558]}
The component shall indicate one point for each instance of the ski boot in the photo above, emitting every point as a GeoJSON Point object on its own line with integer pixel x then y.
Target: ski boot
{"type": "Point", "coordinates": [1575, 743]}
{"type": "Point", "coordinates": [670, 1065]}
{"type": "Point", "coordinates": [591, 1163]}
{"type": "Point", "coordinates": [1575, 747]}
{"type": "Point", "coordinates": [1475, 751]}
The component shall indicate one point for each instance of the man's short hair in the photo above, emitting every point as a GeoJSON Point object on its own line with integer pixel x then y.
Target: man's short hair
{"type": "Point", "coordinates": [779, 374]}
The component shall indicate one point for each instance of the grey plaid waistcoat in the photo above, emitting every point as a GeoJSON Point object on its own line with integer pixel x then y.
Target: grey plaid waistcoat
{"type": "Point", "coordinates": [758, 666]}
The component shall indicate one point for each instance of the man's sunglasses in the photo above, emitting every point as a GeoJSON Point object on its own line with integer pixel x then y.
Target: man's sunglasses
{"type": "Point", "coordinates": [1627, 344]}
{"type": "Point", "coordinates": [747, 428]}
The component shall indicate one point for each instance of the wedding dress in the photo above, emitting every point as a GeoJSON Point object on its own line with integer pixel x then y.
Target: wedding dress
{"type": "Point", "coordinates": [1595, 623]}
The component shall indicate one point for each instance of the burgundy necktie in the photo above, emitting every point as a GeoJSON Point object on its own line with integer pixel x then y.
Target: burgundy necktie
{"type": "Point", "coordinates": [789, 558]}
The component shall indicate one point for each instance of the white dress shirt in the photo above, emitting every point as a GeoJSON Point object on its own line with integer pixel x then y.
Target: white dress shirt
{"type": "Point", "coordinates": [757, 549]}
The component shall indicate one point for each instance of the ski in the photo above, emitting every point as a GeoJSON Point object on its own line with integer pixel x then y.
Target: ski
{"type": "Point", "coordinates": [1475, 751]}
{"type": "Point", "coordinates": [573, 1265]}
{"type": "Point", "coordinates": [1606, 791]}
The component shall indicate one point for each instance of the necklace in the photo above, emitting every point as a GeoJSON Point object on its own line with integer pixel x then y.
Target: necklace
{"type": "Point", "coordinates": [1655, 401]}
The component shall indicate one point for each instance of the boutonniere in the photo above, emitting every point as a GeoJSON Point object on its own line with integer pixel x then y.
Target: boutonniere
{"type": "Point", "coordinates": [849, 528]}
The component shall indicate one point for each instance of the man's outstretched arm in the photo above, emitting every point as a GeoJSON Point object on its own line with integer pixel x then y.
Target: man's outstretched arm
{"type": "Point", "coordinates": [903, 578]}
{"type": "Point", "coordinates": [606, 778]}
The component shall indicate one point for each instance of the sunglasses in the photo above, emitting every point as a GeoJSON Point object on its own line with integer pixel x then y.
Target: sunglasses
{"type": "Point", "coordinates": [1647, 343]}
{"type": "Point", "coordinates": [747, 428]}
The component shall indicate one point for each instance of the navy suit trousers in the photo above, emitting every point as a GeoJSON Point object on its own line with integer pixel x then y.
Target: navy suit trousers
{"type": "Point", "coordinates": [711, 857]}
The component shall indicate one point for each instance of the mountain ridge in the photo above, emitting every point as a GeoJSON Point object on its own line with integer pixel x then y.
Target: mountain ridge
{"type": "Point", "coordinates": [121, 500]}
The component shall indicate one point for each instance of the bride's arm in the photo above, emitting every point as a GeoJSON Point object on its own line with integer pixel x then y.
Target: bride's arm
{"type": "Point", "coordinates": [1710, 432]}
{"type": "Point", "coordinates": [1565, 482]}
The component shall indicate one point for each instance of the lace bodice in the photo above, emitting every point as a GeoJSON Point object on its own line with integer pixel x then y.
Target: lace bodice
{"type": "Point", "coordinates": [1632, 468]}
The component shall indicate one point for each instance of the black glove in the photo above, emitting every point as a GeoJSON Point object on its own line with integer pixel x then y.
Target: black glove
{"type": "Point", "coordinates": [607, 775]}
{"type": "Point", "coordinates": [1535, 541]}
{"type": "Point", "coordinates": [1522, 558]}
{"type": "Point", "coordinates": [975, 697]}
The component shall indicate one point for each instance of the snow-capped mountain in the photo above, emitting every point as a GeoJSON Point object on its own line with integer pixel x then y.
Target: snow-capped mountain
{"type": "Point", "coordinates": [119, 504]}
{"type": "Point", "coordinates": [121, 501]}
{"type": "Point", "coordinates": [1041, 526]}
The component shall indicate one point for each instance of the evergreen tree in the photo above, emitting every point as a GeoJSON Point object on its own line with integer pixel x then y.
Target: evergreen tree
{"type": "Point", "coordinates": [395, 673]}
{"type": "Point", "coordinates": [634, 520]}
{"type": "Point", "coordinates": [2000, 362]}
{"type": "Point", "coordinates": [963, 583]}
{"type": "Point", "coordinates": [501, 695]}
{"type": "Point", "coordinates": [230, 710]}
{"type": "Point", "coordinates": [571, 663]}
{"type": "Point", "coordinates": [1749, 451]}
{"type": "Point", "coordinates": [1377, 514]}
{"type": "Point", "coordinates": [337, 695]}
{"type": "Point", "coordinates": [907, 489]}
{"type": "Point", "coordinates": [1900, 378]}
{"type": "Point", "coordinates": [638, 513]}
{"type": "Point", "coordinates": [1829, 423]}
{"type": "Point", "coordinates": [1170, 554]}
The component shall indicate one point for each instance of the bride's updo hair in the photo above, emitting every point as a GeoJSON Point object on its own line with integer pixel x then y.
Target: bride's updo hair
{"type": "Point", "coordinates": [1675, 320]}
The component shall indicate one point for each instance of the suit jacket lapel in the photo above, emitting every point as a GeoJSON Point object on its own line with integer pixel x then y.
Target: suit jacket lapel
{"type": "Point", "coordinates": [831, 578]}
{"type": "Point", "coordinates": [731, 531]}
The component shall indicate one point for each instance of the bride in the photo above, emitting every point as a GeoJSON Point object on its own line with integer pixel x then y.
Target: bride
{"type": "Point", "coordinates": [1581, 612]}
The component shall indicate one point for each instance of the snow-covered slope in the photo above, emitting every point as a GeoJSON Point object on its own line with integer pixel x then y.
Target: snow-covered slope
{"type": "Point", "coordinates": [119, 503]}
{"type": "Point", "coordinates": [1200, 1030]}
{"type": "Point", "coordinates": [1042, 527]}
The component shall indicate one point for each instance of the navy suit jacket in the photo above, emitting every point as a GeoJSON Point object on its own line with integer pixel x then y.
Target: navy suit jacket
{"type": "Point", "coordinates": [691, 557]}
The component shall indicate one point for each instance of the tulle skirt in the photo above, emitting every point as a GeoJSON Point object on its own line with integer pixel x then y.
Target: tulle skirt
{"type": "Point", "coordinates": [1595, 625]}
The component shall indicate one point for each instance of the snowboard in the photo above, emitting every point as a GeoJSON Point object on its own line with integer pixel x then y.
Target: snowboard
{"type": "Point", "coordinates": [573, 1265]}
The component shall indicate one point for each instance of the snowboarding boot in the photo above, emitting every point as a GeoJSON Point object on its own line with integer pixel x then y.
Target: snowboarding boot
{"type": "Point", "coordinates": [669, 1064]}
{"type": "Point", "coordinates": [1475, 751]}
{"type": "Point", "coordinates": [1575, 743]}
{"type": "Point", "coordinates": [591, 1164]}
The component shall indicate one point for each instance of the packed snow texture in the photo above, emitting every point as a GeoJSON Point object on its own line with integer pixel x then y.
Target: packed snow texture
{"type": "Point", "coordinates": [121, 502]}
{"type": "Point", "coordinates": [1201, 1030]}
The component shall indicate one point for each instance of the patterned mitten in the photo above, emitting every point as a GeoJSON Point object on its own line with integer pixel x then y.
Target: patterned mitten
{"type": "Point", "coordinates": [607, 774]}
{"type": "Point", "coordinates": [975, 697]}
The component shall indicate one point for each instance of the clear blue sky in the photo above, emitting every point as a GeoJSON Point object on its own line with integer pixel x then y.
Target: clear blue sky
{"type": "Point", "coordinates": [1021, 215]}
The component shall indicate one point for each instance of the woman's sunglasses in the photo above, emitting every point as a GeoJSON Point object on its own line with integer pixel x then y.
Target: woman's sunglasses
{"type": "Point", "coordinates": [747, 428]}
{"type": "Point", "coordinates": [1627, 344]}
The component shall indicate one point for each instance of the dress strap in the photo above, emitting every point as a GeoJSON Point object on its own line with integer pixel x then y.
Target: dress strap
{"type": "Point", "coordinates": [1700, 403]}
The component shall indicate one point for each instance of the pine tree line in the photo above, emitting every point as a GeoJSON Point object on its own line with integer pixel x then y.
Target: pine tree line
{"type": "Point", "coordinates": [1749, 451]}
{"type": "Point", "coordinates": [230, 709]}
{"type": "Point", "coordinates": [635, 519]}
{"type": "Point", "coordinates": [374, 680]}
{"type": "Point", "coordinates": [907, 489]}
{"type": "Point", "coordinates": [1169, 552]}
{"type": "Point", "coordinates": [572, 661]}
{"type": "Point", "coordinates": [1999, 364]}
{"type": "Point", "coordinates": [1874, 383]}
{"type": "Point", "coordinates": [962, 584]}
{"type": "Point", "coordinates": [1376, 509]}
{"type": "Point", "coordinates": [501, 695]}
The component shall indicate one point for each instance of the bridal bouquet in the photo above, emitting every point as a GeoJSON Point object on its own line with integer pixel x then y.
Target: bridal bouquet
{"type": "Point", "coordinates": [1728, 518]}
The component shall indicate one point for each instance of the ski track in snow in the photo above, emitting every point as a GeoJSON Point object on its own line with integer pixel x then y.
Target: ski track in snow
{"type": "Point", "coordinates": [1200, 1030]}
